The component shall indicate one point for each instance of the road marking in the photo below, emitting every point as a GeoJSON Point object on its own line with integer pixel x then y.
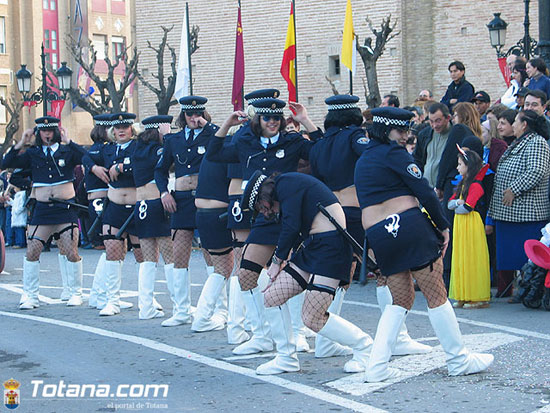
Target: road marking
{"type": "Point", "coordinates": [211, 362]}
{"type": "Point", "coordinates": [512, 330]}
{"type": "Point", "coordinates": [251, 356]}
{"type": "Point", "coordinates": [4, 273]}
{"type": "Point", "coordinates": [545, 409]}
{"type": "Point", "coordinates": [418, 364]}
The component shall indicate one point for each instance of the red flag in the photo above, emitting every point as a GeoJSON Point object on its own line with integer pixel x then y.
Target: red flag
{"type": "Point", "coordinates": [505, 70]}
{"type": "Point", "coordinates": [238, 70]}
{"type": "Point", "coordinates": [57, 107]}
{"type": "Point", "coordinates": [288, 67]}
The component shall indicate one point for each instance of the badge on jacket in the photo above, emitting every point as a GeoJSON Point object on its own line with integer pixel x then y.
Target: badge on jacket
{"type": "Point", "coordinates": [280, 153]}
{"type": "Point", "coordinates": [61, 163]}
{"type": "Point", "coordinates": [363, 141]}
{"type": "Point", "coordinates": [159, 151]}
{"type": "Point", "coordinates": [414, 170]}
{"type": "Point", "coordinates": [126, 161]}
{"type": "Point", "coordinates": [201, 150]}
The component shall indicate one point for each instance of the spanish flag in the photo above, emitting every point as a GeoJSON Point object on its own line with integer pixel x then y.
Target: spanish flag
{"type": "Point", "coordinates": [348, 56]}
{"type": "Point", "coordinates": [288, 67]}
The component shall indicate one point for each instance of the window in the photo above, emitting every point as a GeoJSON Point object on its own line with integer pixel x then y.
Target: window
{"type": "Point", "coordinates": [46, 39]}
{"type": "Point", "coordinates": [2, 34]}
{"type": "Point", "coordinates": [98, 42]}
{"type": "Point", "coordinates": [45, 4]}
{"type": "Point", "coordinates": [52, 4]}
{"type": "Point", "coordinates": [118, 45]}
{"type": "Point", "coordinates": [3, 93]}
{"type": "Point", "coordinates": [334, 66]}
{"type": "Point", "coordinates": [54, 40]}
{"type": "Point", "coordinates": [54, 61]}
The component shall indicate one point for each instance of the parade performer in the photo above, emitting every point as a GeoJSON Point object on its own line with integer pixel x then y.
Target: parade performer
{"type": "Point", "coordinates": [333, 161]}
{"type": "Point", "coordinates": [97, 194]}
{"type": "Point", "coordinates": [262, 144]}
{"type": "Point", "coordinates": [318, 266]}
{"type": "Point", "coordinates": [52, 160]}
{"type": "Point", "coordinates": [406, 244]}
{"type": "Point", "coordinates": [185, 151]}
{"type": "Point", "coordinates": [151, 222]}
{"type": "Point", "coordinates": [112, 164]}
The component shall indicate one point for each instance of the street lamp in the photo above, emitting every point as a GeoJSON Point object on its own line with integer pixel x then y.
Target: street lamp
{"type": "Point", "coordinates": [497, 33]}
{"type": "Point", "coordinates": [46, 94]}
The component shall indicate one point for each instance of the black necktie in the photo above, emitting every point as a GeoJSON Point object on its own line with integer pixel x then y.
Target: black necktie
{"type": "Point", "coordinates": [49, 152]}
{"type": "Point", "coordinates": [191, 135]}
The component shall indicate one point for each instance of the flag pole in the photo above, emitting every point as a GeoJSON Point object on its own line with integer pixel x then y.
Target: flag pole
{"type": "Point", "coordinates": [295, 48]}
{"type": "Point", "coordinates": [189, 49]}
{"type": "Point", "coordinates": [242, 87]}
{"type": "Point", "coordinates": [350, 82]}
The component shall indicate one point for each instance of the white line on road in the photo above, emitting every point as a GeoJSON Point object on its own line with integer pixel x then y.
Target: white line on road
{"type": "Point", "coordinates": [412, 366]}
{"type": "Point", "coordinates": [211, 362]}
{"type": "Point", "coordinates": [545, 409]}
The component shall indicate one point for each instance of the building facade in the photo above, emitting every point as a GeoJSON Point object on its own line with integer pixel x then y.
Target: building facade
{"type": "Point", "coordinates": [432, 33]}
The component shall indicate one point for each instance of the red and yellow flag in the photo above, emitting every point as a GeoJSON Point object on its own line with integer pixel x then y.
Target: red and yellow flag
{"type": "Point", "coordinates": [288, 67]}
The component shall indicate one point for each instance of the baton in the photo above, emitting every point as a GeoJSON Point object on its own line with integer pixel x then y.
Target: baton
{"type": "Point", "coordinates": [97, 219]}
{"type": "Point", "coordinates": [124, 226]}
{"type": "Point", "coordinates": [223, 217]}
{"type": "Point", "coordinates": [363, 272]}
{"type": "Point", "coordinates": [70, 203]}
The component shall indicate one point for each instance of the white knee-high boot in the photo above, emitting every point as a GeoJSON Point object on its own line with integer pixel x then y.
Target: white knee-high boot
{"type": "Point", "coordinates": [113, 281]}
{"type": "Point", "coordinates": [65, 293]}
{"type": "Point", "coordinates": [405, 344]}
{"type": "Point", "coordinates": [74, 280]}
{"type": "Point", "coordinates": [459, 360]}
{"type": "Point", "coordinates": [97, 298]}
{"type": "Point", "coordinates": [386, 335]}
{"type": "Point", "coordinates": [235, 320]}
{"type": "Point", "coordinates": [295, 305]}
{"type": "Point", "coordinates": [203, 319]}
{"type": "Point", "coordinates": [286, 359]}
{"type": "Point", "coordinates": [181, 298]}
{"type": "Point", "coordinates": [31, 285]}
{"type": "Point", "coordinates": [325, 347]}
{"type": "Point", "coordinates": [146, 289]}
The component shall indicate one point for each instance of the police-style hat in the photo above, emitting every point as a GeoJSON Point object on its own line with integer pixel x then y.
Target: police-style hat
{"type": "Point", "coordinates": [481, 96]}
{"type": "Point", "coordinates": [103, 119]}
{"type": "Point", "coordinates": [261, 94]}
{"type": "Point", "coordinates": [193, 103]}
{"type": "Point", "coordinates": [342, 102]}
{"type": "Point", "coordinates": [123, 118]}
{"type": "Point", "coordinates": [269, 106]}
{"type": "Point", "coordinates": [394, 118]}
{"type": "Point", "coordinates": [154, 122]}
{"type": "Point", "coordinates": [47, 122]}
{"type": "Point", "coordinates": [522, 91]}
{"type": "Point", "coordinates": [251, 191]}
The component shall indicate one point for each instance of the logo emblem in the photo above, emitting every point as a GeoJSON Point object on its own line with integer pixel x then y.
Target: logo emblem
{"type": "Point", "coordinates": [393, 226]}
{"type": "Point", "coordinates": [414, 170]}
{"type": "Point", "coordinates": [61, 162]}
{"type": "Point", "coordinates": [273, 106]}
{"type": "Point", "coordinates": [363, 141]}
{"type": "Point", "coordinates": [201, 150]}
{"type": "Point", "coordinates": [280, 153]}
{"type": "Point", "coordinates": [194, 103]}
{"type": "Point", "coordinates": [159, 151]}
{"type": "Point", "coordinates": [11, 394]}
{"type": "Point", "coordinates": [142, 210]}
{"type": "Point", "coordinates": [120, 117]}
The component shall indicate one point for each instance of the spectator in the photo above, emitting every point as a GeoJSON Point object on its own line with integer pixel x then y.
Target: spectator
{"type": "Point", "coordinates": [390, 100]}
{"type": "Point", "coordinates": [425, 95]}
{"type": "Point", "coordinates": [494, 111]}
{"type": "Point", "coordinates": [537, 72]}
{"type": "Point", "coordinates": [520, 206]}
{"type": "Point", "coordinates": [418, 114]}
{"type": "Point", "coordinates": [505, 129]}
{"type": "Point", "coordinates": [482, 101]}
{"type": "Point", "coordinates": [509, 97]}
{"type": "Point", "coordinates": [292, 125]}
{"type": "Point", "coordinates": [520, 97]}
{"type": "Point", "coordinates": [493, 146]}
{"type": "Point", "coordinates": [460, 90]}
{"type": "Point", "coordinates": [535, 100]}
{"type": "Point", "coordinates": [19, 217]}
{"type": "Point", "coordinates": [468, 115]}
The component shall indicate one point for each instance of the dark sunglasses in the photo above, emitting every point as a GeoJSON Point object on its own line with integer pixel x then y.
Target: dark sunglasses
{"type": "Point", "coordinates": [267, 118]}
{"type": "Point", "coordinates": [193, 112]}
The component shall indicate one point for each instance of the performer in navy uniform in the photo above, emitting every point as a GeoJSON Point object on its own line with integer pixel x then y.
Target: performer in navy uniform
{"type": "Point", "coordinates": [151, 221]}
{"type": "Point", "coordinates": [262, 144]}
{"type": "Point", "coordinates": [112, 164]}
{"type": "Point", "coordinates": [406, 244]}
{"type": "Point", "coordinates": [52, 160]}
{"type": "Point", "coordinates": [185, 150]}
{"type": "Point", "coordinates": [97, 193]}
{"type": "Point", "coordinates": [318, 266]}
{"type": "Point", "coordinates": [343, 143]}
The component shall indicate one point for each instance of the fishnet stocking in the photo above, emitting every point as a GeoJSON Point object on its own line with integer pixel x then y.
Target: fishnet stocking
{"type": "Point", "coordinates": [237, 255]}
{"type": "Point", "coordinates": [402, 289]}
{"type": "Point", "coordinates": [283, 288]}
{"type": "Point", "coordinates": [138, 255]}
{"type": "Point", "coordinates": [381, 281]}
{"type": "Point", "coordinates": [166, 249]}
{"type": "Point", "coordinates": [314, 311]}
{"type": "Point", "coordinates": [223, 264]}
{"type": "Point", "coordinates": [207, 257]}
{"type": "Point", "coordinates": [149, 249]}
{"type": "Point", "coordinates": [431, 284]}
{"type": "Point", "coordinates": [247, 279]}
{"type": "Point", "coordinates": [68, 245]}
{"type": "Point", "coordinates": [259, 254]}
{"type": "Point", "coordinates": [34, 248]}
{"type": "Point", "coordinates": [183, 240]}
{"type": "Point", "coordinates": [115, 249]}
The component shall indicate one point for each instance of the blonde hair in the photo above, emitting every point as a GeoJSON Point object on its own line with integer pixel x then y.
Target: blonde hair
{"type": "Point", "coordinates": [469, 116]}
{"type": "Point", "coordinates": [136, 130]}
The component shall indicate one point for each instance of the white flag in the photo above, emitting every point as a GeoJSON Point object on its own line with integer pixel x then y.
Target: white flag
{"type": "Point", "coordinates": [182, 77]}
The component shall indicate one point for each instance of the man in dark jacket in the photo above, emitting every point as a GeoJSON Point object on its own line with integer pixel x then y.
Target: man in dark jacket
{"type": "Point", "coordinates": [460, 90]}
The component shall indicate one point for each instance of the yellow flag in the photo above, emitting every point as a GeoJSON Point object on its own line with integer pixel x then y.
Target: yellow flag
{"type": "Point", "coordinates": [347, 56]}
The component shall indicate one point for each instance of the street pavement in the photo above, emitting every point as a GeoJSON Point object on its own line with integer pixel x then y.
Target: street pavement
{"type": "Point", "coordinates": [61, 355]}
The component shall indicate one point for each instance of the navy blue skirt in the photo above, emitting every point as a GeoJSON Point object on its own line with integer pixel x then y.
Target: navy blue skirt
{"type": "Point", "coordinates": [213, 231]}
{"type": "Point", "coordinates": [353, 223]}
{"type": "Point", "coordinates": [510, 237]}
{"type": "Point", "coordinates": [264, 232]}
{"type": "Point", "coordinates": [236, 218]}
{"type": "Point", "coordinates": [53, 213]}
{"type": "Point", "coordinates": [150, 219]}
{"type": "Point", "coordinates": [327, 254]}
{"type": "Point", "coordinates": [116, 215]}
{"type": "Point", "coordinates": [184, 217]}
{"type": "Point", "coordinates": [413, 245]}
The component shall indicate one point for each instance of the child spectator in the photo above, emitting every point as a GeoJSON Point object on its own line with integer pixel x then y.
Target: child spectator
{"type": "Point", "coordinates": [19, 217]}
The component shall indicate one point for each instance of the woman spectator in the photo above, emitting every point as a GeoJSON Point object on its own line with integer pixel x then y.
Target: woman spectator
{"type": "Point", "coordinates": [518, 78]}
{"type": "Point", "coordinates": [493, 146]}
{"type": "Point", "coordinates": [504, 127]}
{"type": "Point", "coordinates": [537, 72]}
{"type": "Point", "coordinates": [520, 205]}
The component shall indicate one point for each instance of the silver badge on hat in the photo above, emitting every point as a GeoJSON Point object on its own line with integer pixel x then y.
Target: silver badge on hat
{"type": "Point", "coordinates": [201, 150]}
{"type": "Point", "coordinates": [61, 162]}
{"type": "Point", "coordinates": [280, 153]}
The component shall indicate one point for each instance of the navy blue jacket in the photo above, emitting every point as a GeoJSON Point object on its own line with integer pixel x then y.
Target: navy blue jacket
{"type": "Point", "coordinates": [246, 148]}
{"type": "Point", "coordinates": [333, 158]}
{"type": "Point", "coordinates": [91, 181]}
{"type": "Point", "coordinates": [46, 170]}
{"type": "Point", "coordinates": [462, 92]}
{"type": "Point", "coordinates": [298, 195]}
{"type": "Point", "coordinates": [109, 155]}
{"type": "Point", "coordinates": [186, 156]}
{"type": "Point", "coordinates": [213, 180]}
{"type": "Point", "coordinates": [386, 171]}
{"type": "Point", "coordinates": [144, 160]}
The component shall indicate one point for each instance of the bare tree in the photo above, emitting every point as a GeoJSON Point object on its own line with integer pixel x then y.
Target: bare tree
{"type": "Point", "coordinates": [370, 55]}
{"type": "Point", "coordinates": [167, 84]}
{"type": "Point", "coordinates": [13, 109]}
{"type": "Point", "coordinates": [332, 86]}
{"type": "Point", "coordinates": [111, 92]}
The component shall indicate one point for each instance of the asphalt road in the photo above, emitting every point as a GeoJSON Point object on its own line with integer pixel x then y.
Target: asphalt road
{"type": "Point", "coordinates": [60, 355]}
